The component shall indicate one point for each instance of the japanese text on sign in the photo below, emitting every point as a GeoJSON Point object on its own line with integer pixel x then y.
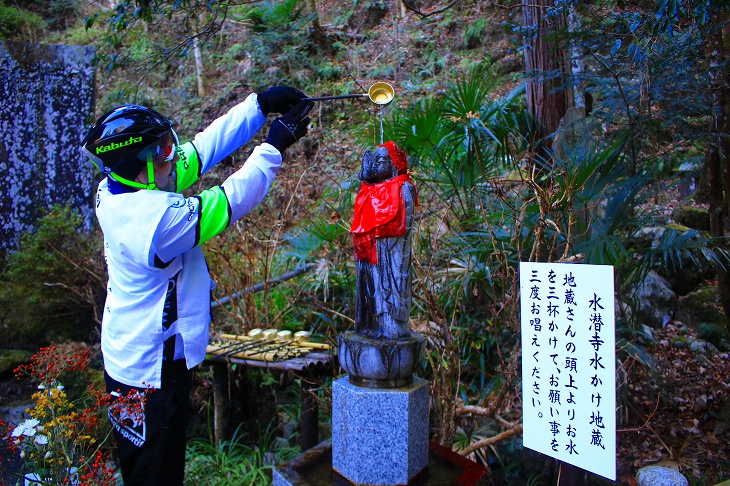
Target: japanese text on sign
{"type": "Point", "coordinates": [568, 364]}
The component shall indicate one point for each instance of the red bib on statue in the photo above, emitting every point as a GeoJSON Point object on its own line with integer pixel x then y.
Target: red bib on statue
{"type": "Point", "coordinates": [380, 212]}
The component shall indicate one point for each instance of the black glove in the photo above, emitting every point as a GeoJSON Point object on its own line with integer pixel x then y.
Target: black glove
{"type": "Point", "coordinates": [290, 127]}
{"type": "Point", "coordinates": [279, 99]}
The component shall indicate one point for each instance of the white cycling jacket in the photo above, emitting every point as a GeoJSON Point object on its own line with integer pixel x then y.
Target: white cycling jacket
{"type": "Point", "coordinates": [159, 284]}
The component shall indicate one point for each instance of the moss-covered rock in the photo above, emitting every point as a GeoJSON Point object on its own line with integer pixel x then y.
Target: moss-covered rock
{"type": "Point", "coordinates": [680, 341]}
{"type": "Point", "coordinates": [11, 359]}
{"type": "Point", "coordinates": [692, 217]}
{"type": "Point", "coordinates": [701, 307]}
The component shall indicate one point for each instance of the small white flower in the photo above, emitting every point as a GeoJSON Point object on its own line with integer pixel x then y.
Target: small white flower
{"type": "Point", "coordinates": [30, 426]}
{"type": "Point", "coordinates": [60, 386]}
{"type": "Point", "coordinates": [26, 428]}
{"type": "Point", "coordinates": [47, 455]}
{"type": "Point", "coordinates": [41, 439]}
{"type": "Point", "coordinates": [41, 386]}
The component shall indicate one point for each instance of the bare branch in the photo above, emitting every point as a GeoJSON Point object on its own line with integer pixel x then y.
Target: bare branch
{"type": "Point", "coordinates": [411, 5]}
{"type": "Point", "coordinates": [74, 264]}
{"type": "Point", "coordinates": [488, 441]}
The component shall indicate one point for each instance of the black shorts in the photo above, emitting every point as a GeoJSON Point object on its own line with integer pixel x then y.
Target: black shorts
{"type": "Point", "coordinates": [149, 427]}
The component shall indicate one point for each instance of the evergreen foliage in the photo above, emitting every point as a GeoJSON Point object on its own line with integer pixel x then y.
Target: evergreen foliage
{"type": "Point", "coordinates": [237, 458]}
{"type": "Point", "coordinates": [20, 25]}
{"type": "Point", "coordinates": [53, 286]}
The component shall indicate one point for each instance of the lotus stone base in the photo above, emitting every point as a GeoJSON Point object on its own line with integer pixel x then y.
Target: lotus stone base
{"type": "Point", "coordinates": [380, 363]}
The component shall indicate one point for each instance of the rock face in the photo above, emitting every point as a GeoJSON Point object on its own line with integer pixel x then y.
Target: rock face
{"type": "Point", "coordinates": [660, 476]}
{"type": "Point", "coordinates": [688, 272]}
{"type": "Point", "coordinates": [702, 306]}
{"type": "Point", "coordinates": [657, 302]}
{"type": "Point", "coordinates": [47, 95]}
{"type": "Point", "coordinates": [692, 217]}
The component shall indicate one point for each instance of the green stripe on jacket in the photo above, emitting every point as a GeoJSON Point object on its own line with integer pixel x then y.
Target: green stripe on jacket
{"type": "Point", "coordinates": [214, 213]}
{"type": "Point", "coordinates": [188, 166]}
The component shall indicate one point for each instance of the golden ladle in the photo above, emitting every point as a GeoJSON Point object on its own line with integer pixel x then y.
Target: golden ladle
{"type": "Point", "coordinates": [379, 93]}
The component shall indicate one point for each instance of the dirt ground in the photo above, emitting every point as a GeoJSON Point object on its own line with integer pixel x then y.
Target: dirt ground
{"type": "Point", "coordinates": [680, 418]}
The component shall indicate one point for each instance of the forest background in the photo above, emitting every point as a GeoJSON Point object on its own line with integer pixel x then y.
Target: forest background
{"type": "Point", "coordinates": [593, 132]}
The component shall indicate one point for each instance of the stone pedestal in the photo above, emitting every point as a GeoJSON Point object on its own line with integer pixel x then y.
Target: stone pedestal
{"type": "Point", "coordinates": [379, 436]}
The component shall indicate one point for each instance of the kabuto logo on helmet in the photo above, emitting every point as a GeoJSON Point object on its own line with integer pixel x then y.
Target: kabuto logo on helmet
{"type": "Point", "coordinates": [112, 146]}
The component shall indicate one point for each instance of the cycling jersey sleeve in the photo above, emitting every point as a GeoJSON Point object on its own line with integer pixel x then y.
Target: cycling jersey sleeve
{"type": "Point", "coordinates": [188, 166]}
{"type": "Point", "coordinates": [188, 222]}
{"type": "Point", "coordinates": [224, 136]}
{"type": "Point", "coordinates": [229, 132]}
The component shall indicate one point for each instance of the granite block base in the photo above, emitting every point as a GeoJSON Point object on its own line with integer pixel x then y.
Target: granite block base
{"type": "Point", "coordinates": [379, 436]}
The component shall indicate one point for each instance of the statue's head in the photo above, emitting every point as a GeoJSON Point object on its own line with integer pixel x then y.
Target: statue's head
{"type": "Point", "coordinates": [386, 162]}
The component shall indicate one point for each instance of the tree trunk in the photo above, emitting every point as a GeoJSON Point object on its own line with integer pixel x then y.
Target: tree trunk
{"type": "Point", "coordinates": [577, 64]}
{"type": "Point", "coordinates": [319, 36]}
{"type": "Point", "coordinates": [199, 68]}
{"type": "Point", "coordinates": [717, 50]}
{"type": "Point", "coordinates": [547, 68]}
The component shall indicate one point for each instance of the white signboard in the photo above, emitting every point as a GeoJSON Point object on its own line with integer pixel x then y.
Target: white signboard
{"type": "Point", "coordinates": [568, 364]}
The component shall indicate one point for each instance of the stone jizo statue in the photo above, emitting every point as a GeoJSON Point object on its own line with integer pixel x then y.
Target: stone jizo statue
{"type": "Point", "coordinates": [382, 351]}
{"type": "Point", "coordinates": [381, 229]}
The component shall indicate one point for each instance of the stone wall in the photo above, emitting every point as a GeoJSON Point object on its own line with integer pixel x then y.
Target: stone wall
{"type": "Point", "coordinates": [46, 106]}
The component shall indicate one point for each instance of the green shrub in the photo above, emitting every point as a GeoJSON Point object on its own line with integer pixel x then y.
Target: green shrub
{"type": "Point", "coordinates": [714, 334]}
{"type": "Point", "coordinates": [473, 33]}
{"type": "Point", "coordinates": [20, 25]}
{"type": "Point", "coordinates": [54, 284]}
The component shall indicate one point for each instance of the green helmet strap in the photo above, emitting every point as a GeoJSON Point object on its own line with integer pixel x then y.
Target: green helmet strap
{"type": "Point", "coordinates": [151, 173]}
{"type": "Point", "coordinates": [139, 185]}
{"type": "Point", "coordinates": [127, 182]}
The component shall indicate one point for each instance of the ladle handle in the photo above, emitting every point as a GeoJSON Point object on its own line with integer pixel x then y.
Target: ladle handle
{"type": "Point", "coordinates": [339, 97]}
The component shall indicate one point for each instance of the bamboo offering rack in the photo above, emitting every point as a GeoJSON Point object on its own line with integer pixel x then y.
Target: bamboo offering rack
{"type": "Point", "coordinates": [272, 350]}
{"type": "Point", "coordinates": [268, 345]}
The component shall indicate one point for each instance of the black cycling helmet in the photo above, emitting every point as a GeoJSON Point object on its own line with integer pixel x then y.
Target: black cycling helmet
{"type": "Point", "coordinates": [126, 139]}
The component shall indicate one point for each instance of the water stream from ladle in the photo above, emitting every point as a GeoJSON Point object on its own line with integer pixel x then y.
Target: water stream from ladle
{"type": "Point", "coordinates": [381, 125]}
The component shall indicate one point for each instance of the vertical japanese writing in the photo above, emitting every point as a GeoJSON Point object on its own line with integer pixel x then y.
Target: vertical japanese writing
{"type": "Point", "coordinates": [536, 332]}
{"type": "Point", "coordinates": [595, 326]}
{"type": "Point", "coordinates": [571, 359]}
